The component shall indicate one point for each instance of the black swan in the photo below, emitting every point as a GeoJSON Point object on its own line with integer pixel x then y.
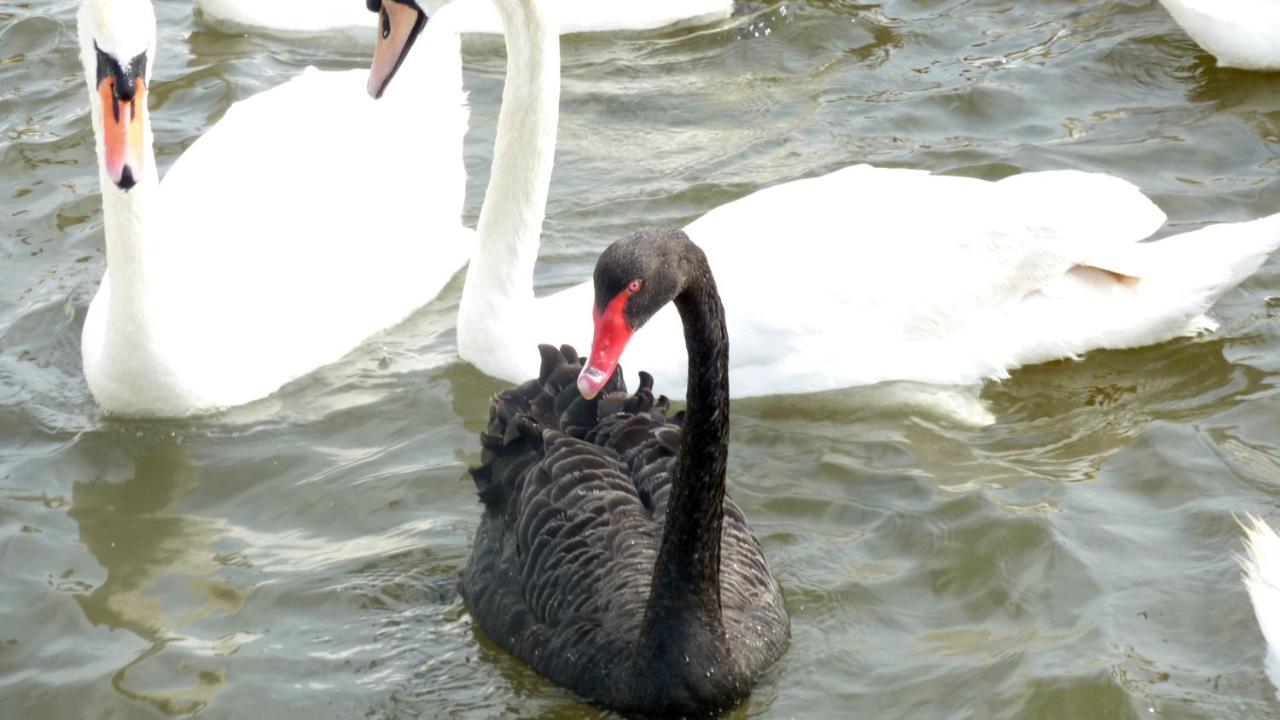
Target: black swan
{"type": "Point", "coordinates": [609, 558]}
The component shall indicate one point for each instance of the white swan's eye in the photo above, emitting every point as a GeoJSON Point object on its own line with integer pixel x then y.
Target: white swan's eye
{"type": "Point", "coordinates": [386, 24]}
{"type": "Point", "coordinates": [634, 286]}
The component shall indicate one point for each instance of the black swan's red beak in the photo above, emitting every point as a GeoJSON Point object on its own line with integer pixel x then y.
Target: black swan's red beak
{"type": "Point", "coordinates": [611, 337]}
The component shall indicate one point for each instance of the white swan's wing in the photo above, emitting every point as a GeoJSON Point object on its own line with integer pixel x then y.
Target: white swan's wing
{"type": "Point", "coordinates": [867, 274]}
{"type": "Point", "coordinates": [299, 17]}
{"type": "Point", "coordinates": [289, 16]}
{"type": "Point", "coordinates": [611, 15]}
{"type": "Point", "coordinates": [304, 221]}
{"type": "Point", "coordinates": [1239, 33]}
{"type": "Point", "coordinates": [879, 274]}
{"type": "Point", "coordinates": [1262, 577]}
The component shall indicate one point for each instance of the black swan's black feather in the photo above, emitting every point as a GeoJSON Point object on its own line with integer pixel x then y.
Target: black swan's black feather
{"type": "Point", "coordinates": [575, 494]}
{"type": "Point", "coordinates": [609, 556]}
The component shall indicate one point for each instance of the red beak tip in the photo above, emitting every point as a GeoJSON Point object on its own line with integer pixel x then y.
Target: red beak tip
{"type": "Point", "coordinates": [590, 381]}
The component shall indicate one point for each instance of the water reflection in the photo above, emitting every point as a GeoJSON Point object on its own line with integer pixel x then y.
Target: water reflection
{"type": "Point", "coordinates": [1253, 97]}
{"type": "Point", "coordinates": [161, 578]}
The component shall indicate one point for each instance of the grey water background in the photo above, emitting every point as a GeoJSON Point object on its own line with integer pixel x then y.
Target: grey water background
{"type": "Point", "coordinates": [297, 558]}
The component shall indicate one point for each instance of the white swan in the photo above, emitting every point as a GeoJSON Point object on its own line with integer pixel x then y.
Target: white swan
{"type": "Point", "coordinates": [1262, 577]}
{"type": "Point", "coordinates": [1241, 34]}
{"type": "Point", "coordinates": [859, 276]}
{"type": "Point", "coordinates": [269, 249]}
{"type": "Point", "coordinates": [304, 17]}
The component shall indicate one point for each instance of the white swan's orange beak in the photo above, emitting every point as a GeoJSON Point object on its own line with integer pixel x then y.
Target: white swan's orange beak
{"type": "Point", "coordinates": [122, 115]}
{"type": "Point", "coordinates": [399, 22]}
{"type": "Point", "coordinates": [613, 332]}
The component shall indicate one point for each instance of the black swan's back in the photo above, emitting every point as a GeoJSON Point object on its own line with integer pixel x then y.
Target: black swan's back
{"type": "Point", "coordinates": [575, 494]}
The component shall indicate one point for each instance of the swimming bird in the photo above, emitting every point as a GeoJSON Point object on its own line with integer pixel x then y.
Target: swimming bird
{"type": "Point", "coordinates": [862, 275]}
{"type": "Point", "coordinates": [1262, 577]}
{"type": "Point", "coordinates": [609, 557]}
{"type": "Point", "coordinates": [1241, 34]}
{"type": "Point", "coordinates": [308, 17]}
{"type": "Point", "coordinates": [286, 235]}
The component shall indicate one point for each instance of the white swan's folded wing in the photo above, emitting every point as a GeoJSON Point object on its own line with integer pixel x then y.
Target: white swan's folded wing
{"type": "Point", "coordinates": [1262, 577]}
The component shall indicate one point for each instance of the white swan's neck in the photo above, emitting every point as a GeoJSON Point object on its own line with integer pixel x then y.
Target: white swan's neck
{"type": "Point", "coordinates": [134, 248]}
{"type": "Point", "coordinates": [499, 280]}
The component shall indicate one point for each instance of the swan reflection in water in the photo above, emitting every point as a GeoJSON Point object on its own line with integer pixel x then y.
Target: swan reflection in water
{"type": "Point", "coordinates": [161, 579]}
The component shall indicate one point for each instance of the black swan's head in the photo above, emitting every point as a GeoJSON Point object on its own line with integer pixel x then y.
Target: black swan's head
{"type": "Point", "coordinates": [634, 278]}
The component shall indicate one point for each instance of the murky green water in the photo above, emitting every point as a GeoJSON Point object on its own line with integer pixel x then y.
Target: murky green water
{"type": "Point", "coordinates": [297, 558]}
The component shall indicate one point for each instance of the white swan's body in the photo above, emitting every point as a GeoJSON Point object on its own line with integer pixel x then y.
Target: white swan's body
{"type": "Point", "coordinates": [301, 17]}
{"type": "Point", "coordinates": [290, 17]}
{"type": "Point", "coordinates": [267, 251]}
{"type": "Point", "coordinates": [843, 280]}
{"type": "Point", "coordinates": [863, 275]}
{"type": "Point", "coordinates": [1262, 577]}
{"type": "Point", "coordinates": [1242, 34]}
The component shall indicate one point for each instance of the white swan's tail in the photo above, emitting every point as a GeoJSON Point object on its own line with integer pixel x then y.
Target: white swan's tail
{"type": "Point", "coordinates": [1261, 566]}
{"type": "Point", "coordinates": [1126, 295]}
{"type": "Point", "coordinates": [1174, 281]}
{"type": "Point", "coordinates": [1200, 265]}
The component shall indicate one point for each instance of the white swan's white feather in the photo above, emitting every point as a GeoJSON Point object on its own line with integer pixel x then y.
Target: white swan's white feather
{"type": "Point", "coordinates": [860, 276]}
{"type": "Point", "coordinates": [290, 17]}
{"type": "Point", "coordinates": [295, 17]}
{"type": "Point", "coordinates": [1262, 578]}
{"type": "Point", "coordinates": [270, 249]}
{"type": "Point", "coordinates": [870, 274]}
{"type": "Point", "coordinates": [1239, 33]}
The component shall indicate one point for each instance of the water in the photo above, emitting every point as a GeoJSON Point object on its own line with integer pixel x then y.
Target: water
{"type": "Point", "coordinates": [297, 558]}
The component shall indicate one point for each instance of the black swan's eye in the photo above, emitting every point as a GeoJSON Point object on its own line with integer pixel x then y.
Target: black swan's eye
{"type": "Point", "coordinates": [386, 24]}
{"type": "Point", "coordinates": [634, 286]}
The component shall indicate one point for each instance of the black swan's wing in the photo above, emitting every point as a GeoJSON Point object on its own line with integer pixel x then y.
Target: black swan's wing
{"type": "Point", "coordinates": [637, 429]}
{"type": "Point", "coordinates": [562, 561]}
{"type": "Point", "coordinates": [575, 495]}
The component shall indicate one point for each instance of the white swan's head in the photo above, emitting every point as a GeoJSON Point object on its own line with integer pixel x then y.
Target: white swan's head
{"type": "Point", "coordinates": [399, 24]}
{"type": "Point", "coordinates": [117, 49]}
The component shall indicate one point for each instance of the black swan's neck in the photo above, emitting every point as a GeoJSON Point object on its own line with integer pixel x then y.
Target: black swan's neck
{"type": "Point", "coordinates": [686, 580]}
